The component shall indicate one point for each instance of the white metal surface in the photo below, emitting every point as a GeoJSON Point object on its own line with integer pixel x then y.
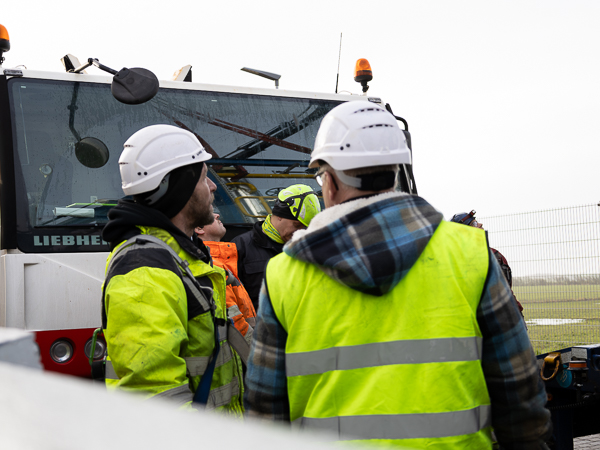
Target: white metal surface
{"type": "Point", "coordinates": [51, 291]}
{"type": "Point", "coordinates": [42, 410]}
{"type": "Point", "coordinates": [19, 347]}
{"type": "Point", "coordinates": [107, 79]}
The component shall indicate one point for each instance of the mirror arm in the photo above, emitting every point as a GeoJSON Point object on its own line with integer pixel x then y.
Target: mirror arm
{"type": "Point", "coordinates": [82, 68]}
{"type": "Point", "coordinates": [95, 62]}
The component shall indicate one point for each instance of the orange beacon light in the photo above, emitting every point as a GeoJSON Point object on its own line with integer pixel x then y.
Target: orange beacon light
{"type": "Point", "coordinates": [363, 73]}
{"type": "Point", "coordinates": [4, 42]}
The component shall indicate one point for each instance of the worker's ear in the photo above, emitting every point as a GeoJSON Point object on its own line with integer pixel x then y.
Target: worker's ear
{"type": "Point", "coordinates": [329, 190]}
{"type": "Point", "coordinates": [199, 231]}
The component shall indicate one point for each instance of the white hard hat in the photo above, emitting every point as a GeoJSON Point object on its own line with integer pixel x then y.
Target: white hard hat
{"type": "Point", "coordinates": [359, 134]}
{"type": "Point", "coordinates": [153, 152]}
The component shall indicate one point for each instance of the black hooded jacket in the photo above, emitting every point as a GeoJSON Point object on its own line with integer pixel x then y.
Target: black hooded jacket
{"type": "Point", "coordinates": [255, 249]}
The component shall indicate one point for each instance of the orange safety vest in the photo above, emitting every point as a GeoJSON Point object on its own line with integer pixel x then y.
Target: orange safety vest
{"type": "Point", "coordinates": [239, 305]}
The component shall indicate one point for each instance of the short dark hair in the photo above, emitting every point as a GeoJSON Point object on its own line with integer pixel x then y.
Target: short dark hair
{"type": "Point", "coordinates": [363, 171]}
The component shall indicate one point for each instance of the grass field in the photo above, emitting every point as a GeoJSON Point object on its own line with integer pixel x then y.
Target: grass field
{"type": "Point", "coordinates": [570, 303]}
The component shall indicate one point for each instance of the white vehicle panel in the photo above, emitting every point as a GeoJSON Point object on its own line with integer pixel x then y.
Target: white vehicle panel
{"type": "Point", "coordinates": [168, 84]}
{"type": "Point", "coordinates": [51, 291]}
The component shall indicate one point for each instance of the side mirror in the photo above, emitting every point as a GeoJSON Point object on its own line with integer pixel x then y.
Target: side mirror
{"type": "Point", "coordinates": [91, 152]}
{"type": "Point", "coordinates": [134, 86]}
{"type": "Point", "coordinates": [129, 86]}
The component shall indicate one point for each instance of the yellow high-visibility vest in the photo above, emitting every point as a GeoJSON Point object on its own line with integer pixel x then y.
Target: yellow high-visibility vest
{"type": "Point", "coordinates": [403, 369]}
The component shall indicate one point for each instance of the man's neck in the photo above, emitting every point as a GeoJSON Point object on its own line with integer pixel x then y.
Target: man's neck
{"type": "Point", "coordinates": [353, 194]}
{"type": "Point", "coordinates": [180, 223]}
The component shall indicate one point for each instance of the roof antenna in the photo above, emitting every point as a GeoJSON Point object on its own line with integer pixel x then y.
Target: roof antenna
{"type": "Point", "coordinates": [338, 73]}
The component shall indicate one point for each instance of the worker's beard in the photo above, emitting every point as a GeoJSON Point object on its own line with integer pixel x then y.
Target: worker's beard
{"type": "Point", "coordinates": [201, 211]}
{"type": "Point", "coordinates": [208, 218]}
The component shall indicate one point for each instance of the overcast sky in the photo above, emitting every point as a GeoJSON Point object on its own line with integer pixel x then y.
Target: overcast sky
{"type": "Point", "coordinates": [502, 98]}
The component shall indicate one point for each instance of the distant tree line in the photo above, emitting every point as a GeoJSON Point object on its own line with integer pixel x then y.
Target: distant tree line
{"type": "Point", "coordinates": [545, 280]}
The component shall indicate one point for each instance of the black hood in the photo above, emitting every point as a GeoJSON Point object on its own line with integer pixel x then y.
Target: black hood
{"type": "Point", "coordinates": [125, 218]}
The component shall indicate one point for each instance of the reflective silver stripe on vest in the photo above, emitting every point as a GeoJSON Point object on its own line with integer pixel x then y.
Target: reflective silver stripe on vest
{"type": "Point", "coordinates": [223, 394]}
{"type": "Point", "coordinates": [231, 279]}
{"type": "Point", "coordinates": [242, 348]}
{"type": "Point", "coordinates": [222, 330]}
{"type": "Point", "coordinates": [239, 343]}
{"type": "Point", "coordinates": [383, 354]}
{"type": "Point", "coordinates": [196, 365]}
{"type": "Point", "coordinates": [224, 357]}
{"type": "Point", "coordinates": [179, 395]}
{"type": "Point", "coordinates": [251, 321]}
{"type": "Point", "coordinates": [233, 311]}
{"type": "Point", "coordinates": [196, 292]}
{"type": "Point", "coordinates": [248, 337]}
{"type": "Point", "coordinates": [110, 373]}
{"type": "Point", "coordinates": [400, 426]}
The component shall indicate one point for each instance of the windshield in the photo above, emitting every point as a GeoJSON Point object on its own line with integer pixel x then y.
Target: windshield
{"type": "Point", "coordinates": [68, 138]}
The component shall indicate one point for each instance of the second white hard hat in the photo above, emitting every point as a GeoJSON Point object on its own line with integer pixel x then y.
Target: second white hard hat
{"type": "Point", "coordinates": [153, 152]}
{"type": "Point", "coordinates": [359, 134]}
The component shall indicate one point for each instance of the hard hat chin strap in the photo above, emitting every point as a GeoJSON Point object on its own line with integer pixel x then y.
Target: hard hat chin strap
{"type": "Point", "coordinates": [379, 181]}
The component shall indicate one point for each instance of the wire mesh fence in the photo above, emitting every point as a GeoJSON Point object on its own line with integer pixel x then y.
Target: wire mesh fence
{"type": "Point", "coordinates": [555, 260]}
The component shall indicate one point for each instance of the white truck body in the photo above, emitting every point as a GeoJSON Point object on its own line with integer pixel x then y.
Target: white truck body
{"type": "Point", "coordinates": [54, 197]}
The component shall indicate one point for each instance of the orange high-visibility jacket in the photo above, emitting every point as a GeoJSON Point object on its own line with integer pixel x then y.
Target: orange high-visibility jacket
{"type": "Point", "coordinates": [239, 305]}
